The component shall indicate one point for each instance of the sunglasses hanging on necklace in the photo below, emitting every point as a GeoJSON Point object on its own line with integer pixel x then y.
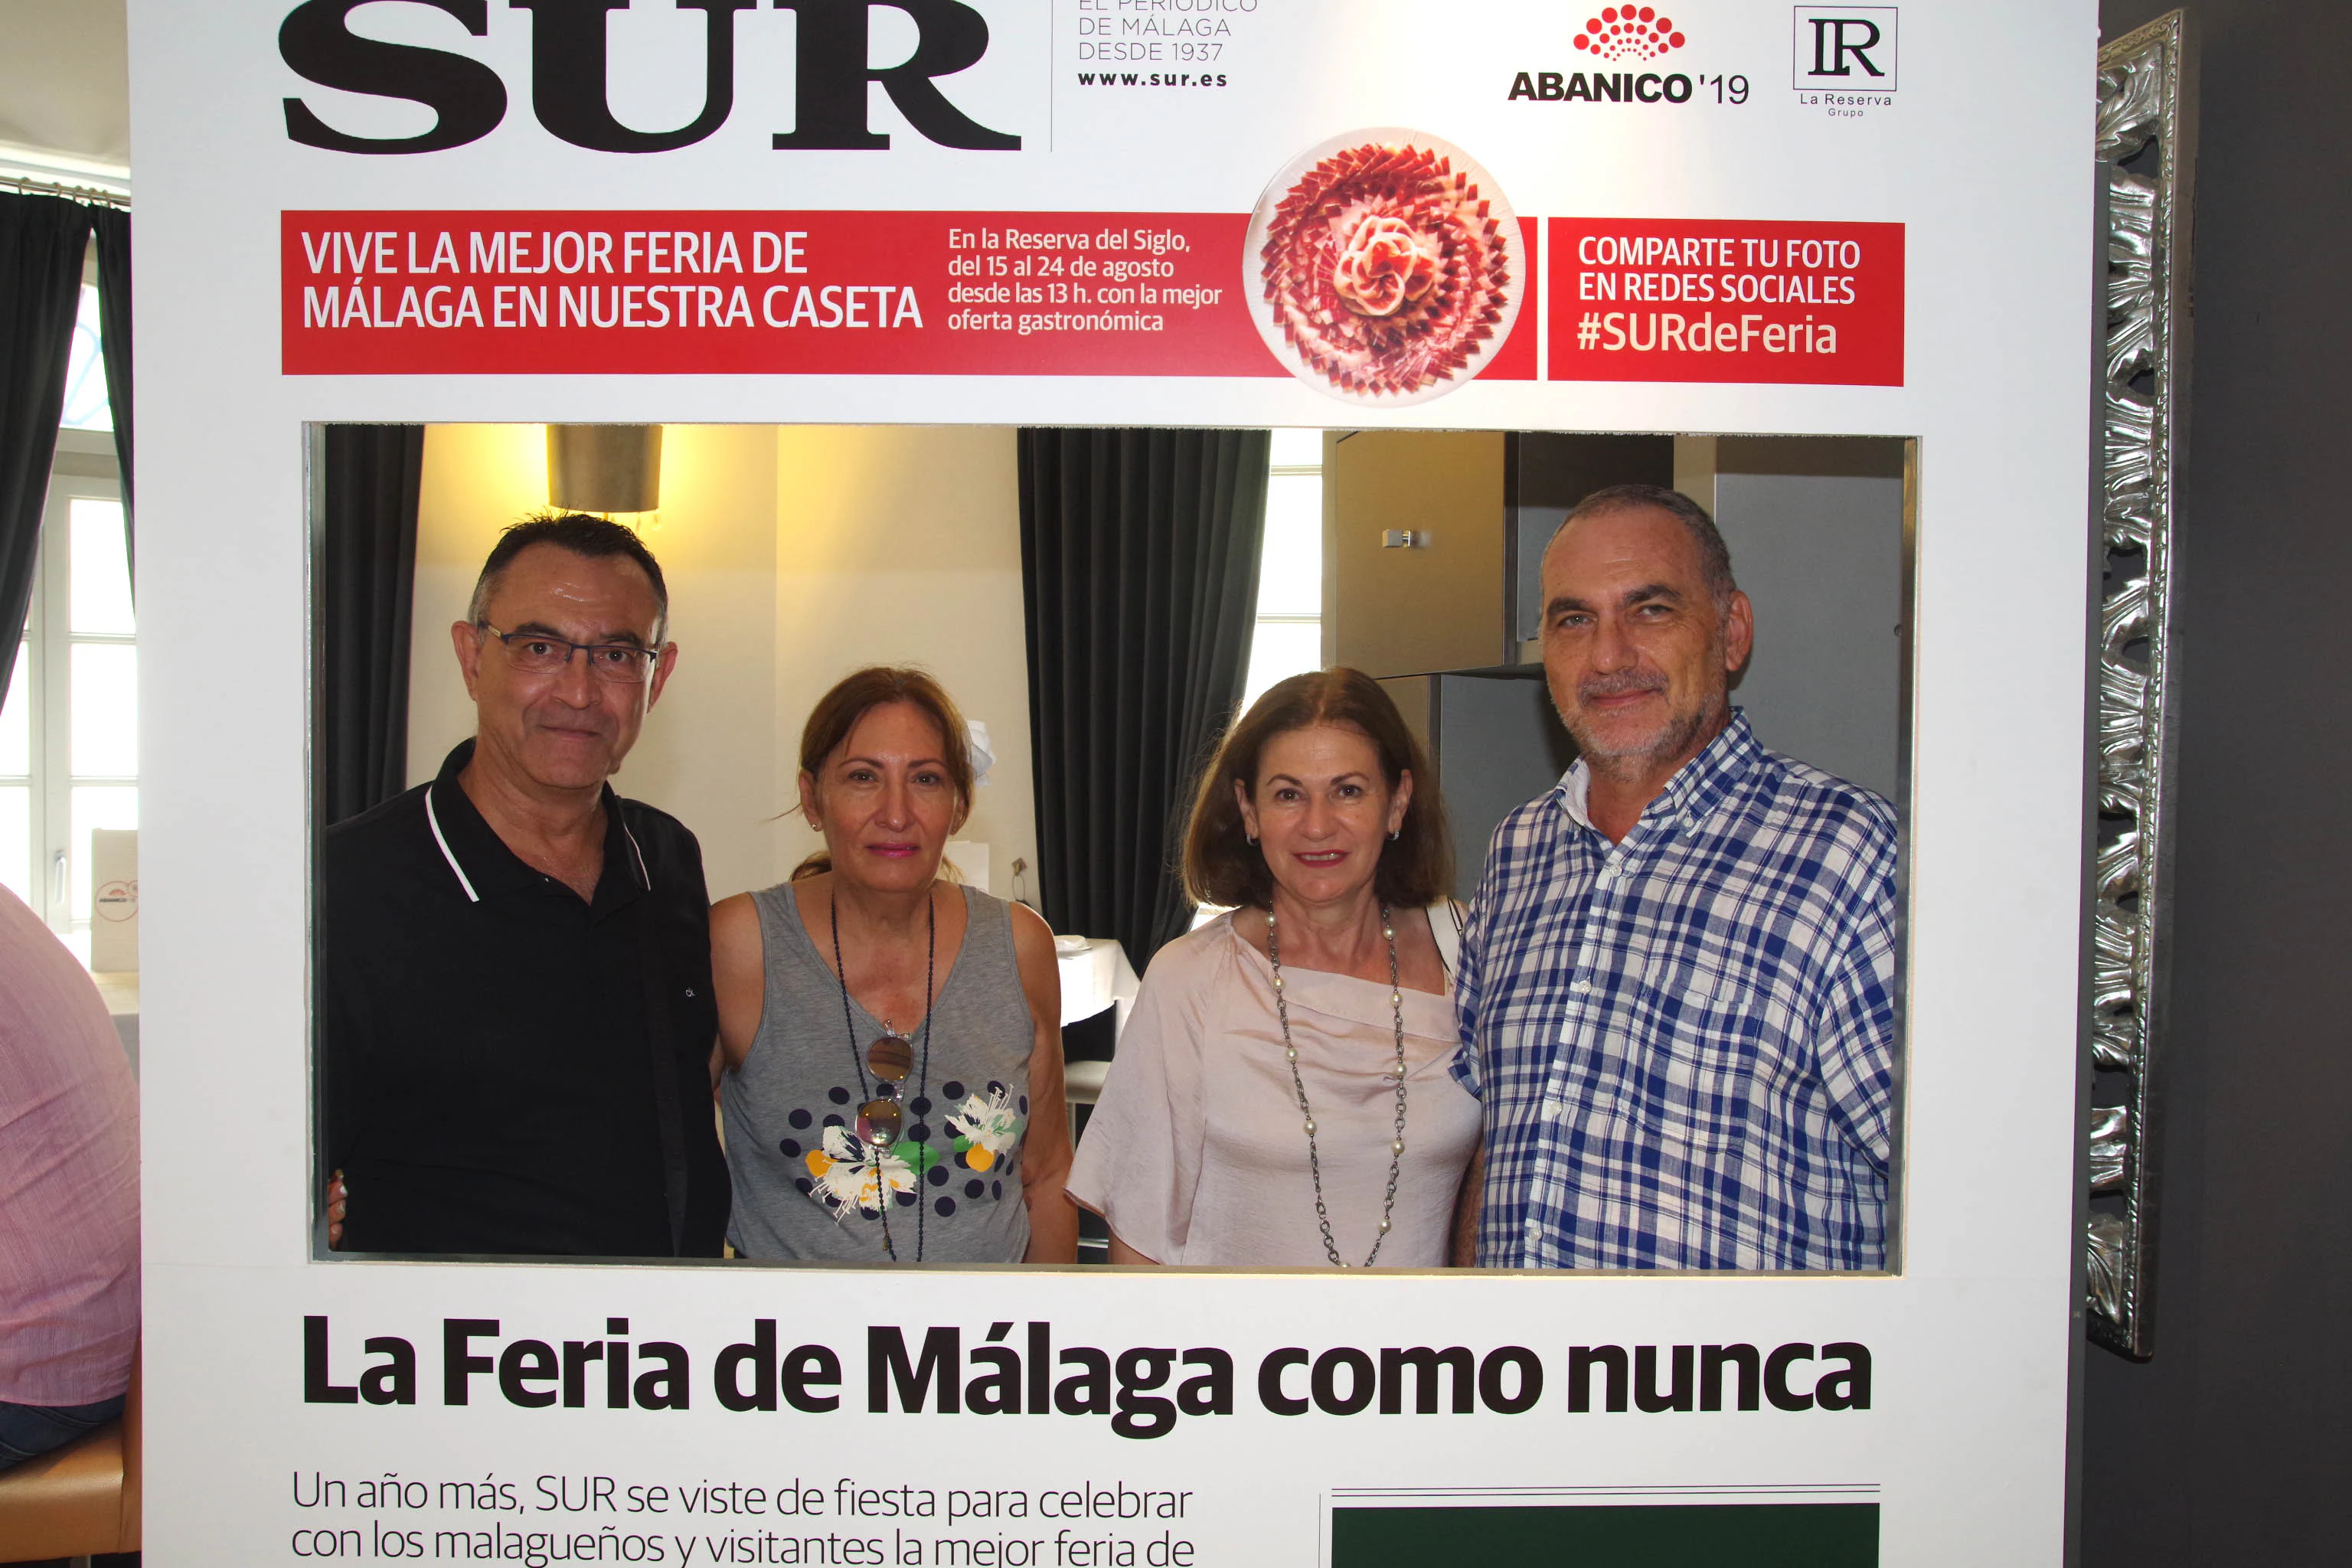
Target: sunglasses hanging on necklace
{"type": "Point", "coordinates": [880, 1118]}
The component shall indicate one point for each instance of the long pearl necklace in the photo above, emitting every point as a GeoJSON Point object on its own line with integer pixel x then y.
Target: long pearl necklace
{"type": "Point", "coordinates": [1290, 1052]}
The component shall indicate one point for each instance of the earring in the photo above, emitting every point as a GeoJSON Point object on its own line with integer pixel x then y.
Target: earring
{"type": "Point", "coordinates": [1395, 833]}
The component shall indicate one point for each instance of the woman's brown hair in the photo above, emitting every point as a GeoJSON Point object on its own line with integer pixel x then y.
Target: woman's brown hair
{"type": "Point", "coordinates": [1222, 867]}
{"type": "Point", "coordinates": [858, 693]}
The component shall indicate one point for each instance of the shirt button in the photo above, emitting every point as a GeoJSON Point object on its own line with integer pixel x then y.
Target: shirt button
{"type": "Point", "coordinates": [1581, 987]}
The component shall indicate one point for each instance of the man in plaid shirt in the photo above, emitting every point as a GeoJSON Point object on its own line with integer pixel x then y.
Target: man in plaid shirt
{"type": "Point", "coordinates": [1678, 986]}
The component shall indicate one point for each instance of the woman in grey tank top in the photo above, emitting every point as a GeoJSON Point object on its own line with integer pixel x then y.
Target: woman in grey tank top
{"type": "Point", "coordinates": [893, 1090]}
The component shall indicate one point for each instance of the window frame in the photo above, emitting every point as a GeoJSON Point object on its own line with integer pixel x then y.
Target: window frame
{"type": "Point", "coordinates": [1260, 621]}
{"type": "Point", "coordinates": [86, 468]}
{"type": "Point", "coordinates": [1313, 470]}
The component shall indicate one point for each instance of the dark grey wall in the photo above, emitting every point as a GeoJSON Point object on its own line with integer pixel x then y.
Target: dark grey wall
{"type": "Point", "coordinates": [1500, 743]}
{"type": "Point", "coordinates": [1548, 473]}
{"type": "Point", "coordinates": [2234, 1444]}
{"type": "Point", "coordinates": [1815, 529]}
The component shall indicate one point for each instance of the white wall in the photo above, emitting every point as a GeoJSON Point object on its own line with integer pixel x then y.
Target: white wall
{"type": "Point", "coordinates": [793, 555]}
{"type": "Point", "coordinates": [902, 545]}
{"type": "Point", "coordinates": [711, 759]}
{"type": "Point", "coordinates": [477, 480]}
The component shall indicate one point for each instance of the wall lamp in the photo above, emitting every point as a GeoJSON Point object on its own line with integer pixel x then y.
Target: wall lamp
{"type": "Point", "coordinates": [603, 467]}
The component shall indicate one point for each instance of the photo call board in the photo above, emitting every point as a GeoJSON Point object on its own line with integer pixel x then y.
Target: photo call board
{"type": "Point", "coordinates": [1826, 268]}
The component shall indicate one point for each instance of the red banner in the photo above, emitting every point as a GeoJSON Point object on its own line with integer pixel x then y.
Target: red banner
{"type": "Point", "coordinates": [1682, 299]}
{"type": "Point", "coordinates": [901, 293]}
{"type": "Point", "coordinates": [855, 294]}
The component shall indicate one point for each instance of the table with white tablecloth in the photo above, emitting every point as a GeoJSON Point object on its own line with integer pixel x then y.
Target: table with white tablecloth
{"type": "Point", "coordinates": [1095, 974]}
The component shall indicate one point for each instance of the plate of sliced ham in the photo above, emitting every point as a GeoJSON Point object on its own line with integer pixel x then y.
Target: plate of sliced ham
{"type": "Point", "coordinates": [1384, 267]}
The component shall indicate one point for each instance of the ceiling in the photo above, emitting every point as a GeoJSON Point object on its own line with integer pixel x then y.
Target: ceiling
{"type": "Point", "coordinates": [64, 80]}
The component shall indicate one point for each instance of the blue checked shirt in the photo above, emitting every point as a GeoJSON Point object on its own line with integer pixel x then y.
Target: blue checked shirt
{"type": "Point", "coordinates": [1686, 1041]}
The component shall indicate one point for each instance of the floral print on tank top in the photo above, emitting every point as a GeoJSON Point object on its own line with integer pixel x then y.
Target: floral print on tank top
{"type": "Point", "coordinates": [984, 1128]}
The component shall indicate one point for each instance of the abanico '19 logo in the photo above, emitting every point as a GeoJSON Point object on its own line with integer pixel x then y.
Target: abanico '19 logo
{"type": "Point", "coordinates": [1622, 37]}
{"type": "Point", "coordinates": [570, 75]}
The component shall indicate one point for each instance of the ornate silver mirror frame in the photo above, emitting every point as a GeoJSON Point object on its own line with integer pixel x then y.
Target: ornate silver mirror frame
{"type": "Point", "coordinates": [2147, 151]}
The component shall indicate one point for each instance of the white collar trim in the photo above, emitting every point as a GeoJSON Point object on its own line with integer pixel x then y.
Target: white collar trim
{"type": "Point", "coordinates": [432, 820]}
{"type": "Point", "coordinates": [644, 876]}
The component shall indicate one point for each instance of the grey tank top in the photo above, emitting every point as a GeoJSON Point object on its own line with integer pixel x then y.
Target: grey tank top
{"type": "Point", "coordinates": [950, 1189]}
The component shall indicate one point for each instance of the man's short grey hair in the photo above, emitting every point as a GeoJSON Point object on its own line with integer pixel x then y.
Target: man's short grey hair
{"type": "Point", "coordinates": [1714, 555]}
{"type": "Point", "coordinates": [583, 533]}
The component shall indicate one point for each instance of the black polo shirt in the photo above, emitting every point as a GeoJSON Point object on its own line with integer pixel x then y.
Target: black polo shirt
{"type": "Point", "coordinates": [484, 1042]}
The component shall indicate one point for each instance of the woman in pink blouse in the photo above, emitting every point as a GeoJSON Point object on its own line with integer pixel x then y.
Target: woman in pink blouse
{"type": "Point", "coordinates": [1280, 1097]}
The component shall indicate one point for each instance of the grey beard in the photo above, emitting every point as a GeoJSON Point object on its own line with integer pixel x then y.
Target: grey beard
{"type": "Point", "coordinates": [1671, 743]}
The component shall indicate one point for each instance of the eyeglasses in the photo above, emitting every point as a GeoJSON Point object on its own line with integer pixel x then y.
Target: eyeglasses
{"type": "Point", "coordinates": [890, 1060]}
{"type": "Point", "coordinates": [536, 653]}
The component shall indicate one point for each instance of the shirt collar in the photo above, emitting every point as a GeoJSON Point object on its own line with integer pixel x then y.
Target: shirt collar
{"type": "Point", "coordinates": [483, 865]}
{"type": "Point", "coordinates": [1697, 788]}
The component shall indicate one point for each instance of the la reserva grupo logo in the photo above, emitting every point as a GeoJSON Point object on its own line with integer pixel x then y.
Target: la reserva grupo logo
{"type": "Point", "coordinates": [1844, 60]}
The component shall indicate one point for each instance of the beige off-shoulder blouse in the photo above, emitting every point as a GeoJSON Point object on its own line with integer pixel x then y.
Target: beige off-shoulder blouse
{"type": "Point", "coordinates": [1197, 1152]}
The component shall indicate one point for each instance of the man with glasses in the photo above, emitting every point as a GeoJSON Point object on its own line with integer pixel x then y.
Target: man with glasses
{"type": "Point", "coordinates": [516, 1017]}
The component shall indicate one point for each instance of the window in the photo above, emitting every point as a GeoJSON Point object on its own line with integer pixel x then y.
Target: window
{"type": "Point", "coordinates": [86, 407]}
{"type": "Point", "coordinates": [1289, 636]}
{"type": "Point", "coordinates": [69, 728]}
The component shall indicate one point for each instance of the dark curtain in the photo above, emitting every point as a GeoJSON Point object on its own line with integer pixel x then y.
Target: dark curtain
{"type": "Point", "coordinates": [41, 244]}
{"type": "Point", "coordinates": [113, 230]}
{"type": "Point", "coordinates": [367, 555]}
{"type": "Point", "coordinates": [1140, 556]}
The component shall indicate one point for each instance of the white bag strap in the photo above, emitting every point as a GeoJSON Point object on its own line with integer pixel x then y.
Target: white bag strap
{"type": "Point", "coordinates": [1445, 925]}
